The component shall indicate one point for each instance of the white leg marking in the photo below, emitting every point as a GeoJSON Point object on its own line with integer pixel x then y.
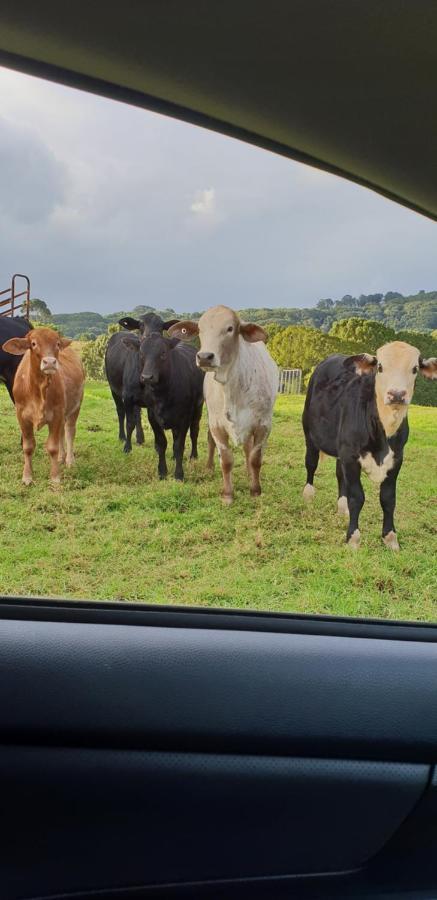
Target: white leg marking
{"type": "Point", "coordinates": [308, 492]}
{"type": "Point", "coordinates": [391, 541]}
{"type": "Point", "coordinates": [342, 507]}
{"type": "Point", "coordinates": [355, 539]}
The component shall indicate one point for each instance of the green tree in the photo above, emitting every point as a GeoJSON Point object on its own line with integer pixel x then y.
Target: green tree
{"type": "Point", "coordinates": [93, 354]}
{"type": "Point", "coordinates": [300, 347]}
{"type": "Point", "coordinates": [40, 311]}
{"type": "Point", "coordinates": [366, 334]}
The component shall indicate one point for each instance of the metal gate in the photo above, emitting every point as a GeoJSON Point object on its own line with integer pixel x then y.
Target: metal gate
{"type": "Point", "coordinates": [9, 305]}
{"type": "Point", "coordinates": [290, 381]}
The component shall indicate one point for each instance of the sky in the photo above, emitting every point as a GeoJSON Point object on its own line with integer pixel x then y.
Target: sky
{"type": "Point", "coordinates": [106, 206]}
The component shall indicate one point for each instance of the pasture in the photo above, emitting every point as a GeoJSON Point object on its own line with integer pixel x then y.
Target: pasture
{"type": "Point", "coordinates": [112, 530]}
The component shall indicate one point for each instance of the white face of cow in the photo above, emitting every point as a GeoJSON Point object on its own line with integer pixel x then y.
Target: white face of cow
{"type": "Point", "coordinates": [219, 330]}
{"type": "Point", "coordinates": [396, 366]}
{"type": "Point", "coordinates": [396, 371]}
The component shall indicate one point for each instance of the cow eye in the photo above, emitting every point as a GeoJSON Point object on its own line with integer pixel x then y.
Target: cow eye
{"type": "Point", "coordinates": [230, 329]}
{"type": "Point", "coordinates": [379, 367]}
{"type": "Point", "coordinates": [33, 344]}
{"type": "Point", "coordinates": [415, 370]}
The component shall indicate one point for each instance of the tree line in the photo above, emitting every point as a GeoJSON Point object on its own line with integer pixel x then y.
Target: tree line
{"type": "Point", "coordinates": [415, 312]}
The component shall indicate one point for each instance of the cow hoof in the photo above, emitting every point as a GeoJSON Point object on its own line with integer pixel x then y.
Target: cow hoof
{"type": "Point", "coordinates": [391, 541]}
{"type": "Point", "coordinates": [27, 481]}
{"type": "Point", "coordinates": [127, 449]}
{"type": "Point", "coordinates": [354, 540]}
{"type": "Point", "coordinates": [56, 480]}
{"type": "Point", "coordinates": [70, 462]}
{"type": "Point", "coordinates": [255, 492]}
{"type": "Point", "coordinates": [227, 499]}
{"type": "Point", "coordinates": [308, 492]}
{"type": "Point", "coordinates": [342, 506]}
{"type": "Point", "coordinates": [179, 478]}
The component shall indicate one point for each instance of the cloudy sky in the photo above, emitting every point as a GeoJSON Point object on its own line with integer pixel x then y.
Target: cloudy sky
{"type": "Point", "coordinates": [106, 206]}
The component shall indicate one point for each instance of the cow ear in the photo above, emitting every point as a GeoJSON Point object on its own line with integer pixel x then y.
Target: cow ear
{"type": "Point", "coordinates": [16, 346]}
{"type": "Point", "coordinates": [64, 342]}
{"type": "Point", "coordinates": [364, 363]}
{"type": "Point", "coordinates": [252, 333]}
{"type": "Point", "coordinates": [167, 325]}
{"type": "Point", "coordinates": [184, 331]}
{"type": "Point", "coordinates": [130, 342]}
{"type": "Point", "coordinates": [428, 367]}
{"type": "Point", "coordinates": [129, 323]}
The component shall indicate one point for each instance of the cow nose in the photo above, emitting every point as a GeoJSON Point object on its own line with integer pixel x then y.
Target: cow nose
{"type": "Point", "coordinates": [49, 362]}
{"type": "Point", "coordinates": [203, 357]}
{"type": "Point", "coordinates": [146, 379]}
{"type": "Point", "coordinates": [396, 396]}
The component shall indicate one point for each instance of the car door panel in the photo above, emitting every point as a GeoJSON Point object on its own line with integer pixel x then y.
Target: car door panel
{"type": "Point", "coordinates": [138, 755]}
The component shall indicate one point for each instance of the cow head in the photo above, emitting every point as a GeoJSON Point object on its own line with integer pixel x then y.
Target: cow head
{"type": "Point", "coordinates": [220, 330]}
{"type": "Point", "coordinates": [147, 324]}
{"type": "Point", "coordinates": [44, 345]}
{"type": "Point", "coordinates": [396, 366]}
{"type": "Point", "coordinates": [154, 352]}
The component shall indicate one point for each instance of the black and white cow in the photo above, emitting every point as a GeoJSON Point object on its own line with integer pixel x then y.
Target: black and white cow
{"type": "Point", "coordinates": [10, 328]}
{"type": "Point", "coordinates": [356, 410]}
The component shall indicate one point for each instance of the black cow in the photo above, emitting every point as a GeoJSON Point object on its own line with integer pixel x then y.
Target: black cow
{"type": "Point", "coordinates": [10, 328]}
{"type": "Point", "coordinates": [162, 375]}
{"type": "Point", "coordinates": [116, 357]}
{"type": "Point", "coordinates": [146, 324]}
{"type": "Point", "coordinates": [356, 410]}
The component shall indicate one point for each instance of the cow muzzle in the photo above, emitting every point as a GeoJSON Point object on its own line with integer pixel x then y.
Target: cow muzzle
{"type": "Point", "coordinates": [49, 365]}
{"type": "Point", "coordinates": [146, 378]}
{"type": "Point", "coordinates": [396, 398]}
{"type": "Point", "coordinates": [206, 360]}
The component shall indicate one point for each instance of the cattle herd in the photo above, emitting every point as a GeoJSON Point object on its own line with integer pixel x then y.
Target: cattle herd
{"type": "Point", "coordinates": [355, 407]}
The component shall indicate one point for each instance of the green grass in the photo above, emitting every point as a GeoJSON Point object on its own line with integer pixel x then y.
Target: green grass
{"type": "Point", "coordinates": [114, 531]}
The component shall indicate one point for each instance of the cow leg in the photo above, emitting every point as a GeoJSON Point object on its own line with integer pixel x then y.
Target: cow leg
{"type": "Point", "coordinates": [387, 498]}
{"type": "Point", "coordinates": [355, 500]}
{"type": "Point", "coordinates": [160, 444]}
{"type": "Point", "coordinates": [311, 463]}
{"type": "Point", "coordinates": [221, 439]}
{"type": "Point", "coordinates": [139, 433]}
{"type": "Point", "coordinates": [70, 434]}
{"type": "Point", "coordinates": [119, 405]}
{"type": "Point", "coordinates": [62, 446]}
{"type": "Point", "coordinates": [194, 431]}
{"type": "Point", "coordinates": [131, 420]}
{"type": "Point", "coordinates": [28, 443]}
{"type": "Point", "coordinates": [211, 451]}
{"type": "Point", "coordinates": [254, 458]}
{"type": "Point", "coordinates": [179, 438]}
{"type": "Point", "coordinates": [342, 507]}
{"type": "Point", "coordinates": [52, 447]}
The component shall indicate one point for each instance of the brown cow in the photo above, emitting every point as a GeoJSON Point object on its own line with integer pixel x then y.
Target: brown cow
{"type": "Point", "coordinates": [48, 390]}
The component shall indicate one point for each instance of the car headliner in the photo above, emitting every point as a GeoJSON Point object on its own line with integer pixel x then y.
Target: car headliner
{"type": "Point", "coordinates": [349, 86]}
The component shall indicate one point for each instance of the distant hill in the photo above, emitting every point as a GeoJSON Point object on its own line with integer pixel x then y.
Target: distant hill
{"type": "Point", "coordinates": [416, 312]}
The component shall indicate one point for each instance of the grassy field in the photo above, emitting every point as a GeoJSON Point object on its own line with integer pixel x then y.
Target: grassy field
{"type": "Point", "coordinates": [113, 531]}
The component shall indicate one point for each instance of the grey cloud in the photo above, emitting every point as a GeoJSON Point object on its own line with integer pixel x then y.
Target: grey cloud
{"type": "Point", "coordinates": [131, 207]}
{"type": "Point", "coordinates": [32, 181]}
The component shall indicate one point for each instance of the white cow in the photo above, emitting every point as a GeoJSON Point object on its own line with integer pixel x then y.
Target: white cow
{"type": "Point", "coordinates": [241, 384]}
